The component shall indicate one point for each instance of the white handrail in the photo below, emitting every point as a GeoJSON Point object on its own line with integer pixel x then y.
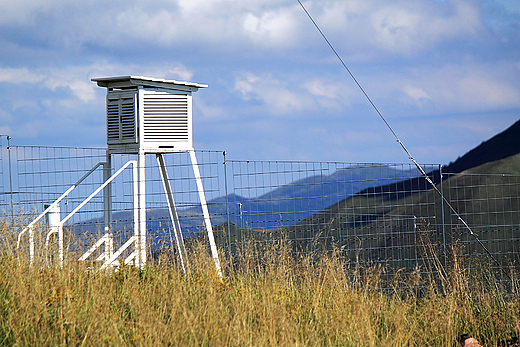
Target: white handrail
{"type": "Point", "coordinates": [60, 225]}
{"type": "Point", "coordinates": [107, 182]}
{"type": "Point", "coordinates": [56, 202]}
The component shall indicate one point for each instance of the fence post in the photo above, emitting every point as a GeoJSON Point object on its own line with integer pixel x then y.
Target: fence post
{"type": "Point", "coordinates": [10, 178]}
{"type": "Point", "coordinates": [227, 202]}
{"type": "Point", "coordinates": [445, 263]}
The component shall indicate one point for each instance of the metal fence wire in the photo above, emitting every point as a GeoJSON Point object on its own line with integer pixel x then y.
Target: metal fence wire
{"type": "Point", "coordinates": [372, 213]}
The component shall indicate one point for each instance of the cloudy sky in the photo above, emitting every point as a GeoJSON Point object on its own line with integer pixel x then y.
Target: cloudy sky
{"type": "Point", "coordinates": [444, 73]}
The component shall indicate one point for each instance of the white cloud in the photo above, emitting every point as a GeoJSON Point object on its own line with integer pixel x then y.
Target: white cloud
{"type": "Point", "coordinates": [25, 103]}
{"type": "Point", "coordinates": [77, 78]}
{"type": "Point", "coordinates": [463, 87]}
{"type": "Point", "coordinates": [488, 92]}
{"type": "Point", "coordinates": [321, 88]}
{"type": "Point", "coordinates": [400, 27]}
{"type": "Point", "coordinates": [5, 117]}
{"type": "Point", "coordinates": [277, 95]}
{"type": "Point", "coordinates": [81, 88]}
{"type": "Point", "coordinates": [180, 71]}
{"type": "Point", "coordinates": [477, 87]}
{"type": "Point", "coordinates": [416, 94]}
{"type": "Point", "coordinates": [397, 26]}
{"type": "Point", "coordinates": [273, 28]}
{"type": "Point", "coordinates": [52, 78]}
{"type": "Point", "coordinates": [160, 26]}
{"type": "Point", "coordinates": [21, 11]}
{"type": "Point", "coordinates": [408, 28]}
{"type": "Point", "coordinates": [19, 75]}
{"type": "Point", "coordinates": [245, 85]}
{"type": "Point", "coordinates": [332, 93]}
{"type": "Point", "coordinates": [294, 94]}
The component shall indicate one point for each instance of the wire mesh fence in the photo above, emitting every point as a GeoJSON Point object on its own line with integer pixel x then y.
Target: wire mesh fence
{"type": "Point", "coordinates": [382, 214]}
{"type": "Point", "coordinates": [490, 205]}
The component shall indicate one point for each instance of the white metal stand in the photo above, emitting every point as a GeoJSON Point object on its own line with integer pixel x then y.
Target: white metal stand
{"type": "Point", "coordinates": [138, 256]}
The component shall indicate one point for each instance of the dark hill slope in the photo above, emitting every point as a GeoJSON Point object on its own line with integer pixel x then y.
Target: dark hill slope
{"type": "Point", "coordinates": [500, 146]}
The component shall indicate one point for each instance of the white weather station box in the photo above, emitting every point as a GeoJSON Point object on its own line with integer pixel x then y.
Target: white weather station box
{"type": "Point", "coordinates": [148, 114]}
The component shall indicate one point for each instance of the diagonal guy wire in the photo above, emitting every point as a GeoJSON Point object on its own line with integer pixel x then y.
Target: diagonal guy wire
{"type": "Point", "coordinates": [428, 179]}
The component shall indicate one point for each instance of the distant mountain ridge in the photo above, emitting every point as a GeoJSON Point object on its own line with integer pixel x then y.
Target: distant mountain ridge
{"type": "Point", "coordinates": [299, 199]}
{"type": "Point", "coordinates": [280, 207]}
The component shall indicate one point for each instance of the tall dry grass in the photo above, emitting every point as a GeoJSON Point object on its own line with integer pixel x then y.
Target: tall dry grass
{"type": "Point", "coordinates": [267, 298]}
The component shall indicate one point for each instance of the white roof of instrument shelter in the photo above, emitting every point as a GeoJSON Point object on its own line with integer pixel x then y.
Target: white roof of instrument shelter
{"type": "Point", "coordinates": [133, 81]}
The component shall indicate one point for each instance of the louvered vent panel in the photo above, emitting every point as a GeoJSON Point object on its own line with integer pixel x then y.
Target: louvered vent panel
{"type": "Point", "coordinates": [112, 121]}
{"type": "Point", "coordinates": [166, 118]}
{"type": "Point", "coordinates": [121, 120]}
{"type": "Point", "coordinates": [127, 119]}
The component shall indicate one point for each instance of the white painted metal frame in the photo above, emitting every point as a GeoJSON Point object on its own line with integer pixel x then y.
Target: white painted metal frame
{"type": "Point", "coordinates": [57, 227]}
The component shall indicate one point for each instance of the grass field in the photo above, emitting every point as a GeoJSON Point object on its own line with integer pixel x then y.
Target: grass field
{"type": "Point", "coordinates": [267, 298]}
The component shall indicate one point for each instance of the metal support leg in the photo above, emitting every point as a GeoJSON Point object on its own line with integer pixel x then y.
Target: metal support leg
{"type": "Point", "coordinates": [173, 213]}
{"type": "Point", "coordinates": [142, 209]}
{"type": "Point", "coordinates": [205, 212]}
{"type": "Point", "coordinates": [135, 176]}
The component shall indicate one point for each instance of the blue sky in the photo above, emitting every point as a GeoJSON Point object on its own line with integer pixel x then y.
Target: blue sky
{"type": "Point", "coordinates": [444, 73]}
